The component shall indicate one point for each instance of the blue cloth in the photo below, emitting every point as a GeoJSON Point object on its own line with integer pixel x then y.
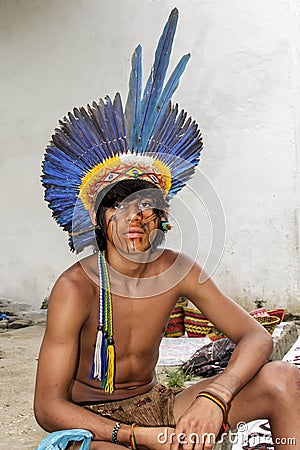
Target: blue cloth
{"type": "Point", "coordinates": [58, 440]}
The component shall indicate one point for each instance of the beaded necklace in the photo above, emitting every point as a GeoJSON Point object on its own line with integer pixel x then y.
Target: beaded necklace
{"type": "Point", "coordinates": [103, 367]}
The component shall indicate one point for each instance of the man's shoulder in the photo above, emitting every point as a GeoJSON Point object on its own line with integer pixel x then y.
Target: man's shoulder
{"type": "Point", "coordinates": [164, 258]}
{"type": "Point", "coordinates": [79, 277]}
{"type": "Point", "coordinates": [73, 291]}
{"type": "Point", "coordinates": [178, 258]}
{"type": "Point", "coordinates": [175, 264]}
{"type": "Point", "coordinates": [169, 254]}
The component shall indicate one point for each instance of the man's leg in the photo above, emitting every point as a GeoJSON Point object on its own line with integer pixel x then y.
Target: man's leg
{"type": "Point", "coordinates": [274, 394]}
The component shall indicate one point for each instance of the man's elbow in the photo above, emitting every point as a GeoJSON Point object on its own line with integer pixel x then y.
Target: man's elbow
{"type": "Point", "coordinates": [265, 343]}
{"type": "Point", "coordinates": [41, 413]}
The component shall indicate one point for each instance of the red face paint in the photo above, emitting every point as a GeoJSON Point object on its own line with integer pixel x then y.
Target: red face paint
{"type": "Point", "coordinates": [130, 224]}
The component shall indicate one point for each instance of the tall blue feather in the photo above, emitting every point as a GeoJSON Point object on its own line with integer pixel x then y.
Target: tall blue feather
{"type": "Point", "coordinates": [132, 107]}
{"type": "Point", "coordinates": [120, 123]}
{"type": "Point", "coordinates": [164, 99]}
{"type": "Point", "coordinates": [155, 81]}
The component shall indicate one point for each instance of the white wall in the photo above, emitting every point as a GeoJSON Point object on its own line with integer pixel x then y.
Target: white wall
{"type": "Point", "coordinates": [242, 86]}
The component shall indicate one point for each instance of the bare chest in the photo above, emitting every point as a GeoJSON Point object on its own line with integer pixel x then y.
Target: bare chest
{"type": "Point", "coordinates": [140, 323]}
{"type": "Point", "coordinates": [138, 327]}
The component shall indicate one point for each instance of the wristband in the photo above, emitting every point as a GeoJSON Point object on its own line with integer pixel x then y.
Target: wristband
{"type": "Point", "coordinates": [220, 403]}
{"type": "Point", "coordinates": [115, 434]}
{"type": "Point", "coordinates": [216, 399]}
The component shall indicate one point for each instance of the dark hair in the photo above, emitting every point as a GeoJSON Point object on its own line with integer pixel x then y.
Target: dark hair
{"type": "Point", "coordinates": [116, 193]}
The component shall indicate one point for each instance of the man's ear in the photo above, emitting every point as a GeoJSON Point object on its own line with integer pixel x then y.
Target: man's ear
{"type": "Point", "coordinates": [165, 215]}
{"type": "Point", "coordinates": [93, 217]}
{"type": "Point", "coordinates": [164, 221]}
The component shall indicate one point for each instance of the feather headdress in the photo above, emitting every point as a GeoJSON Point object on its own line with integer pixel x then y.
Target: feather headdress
{"type": "Point", "coordinates": [101, 144]}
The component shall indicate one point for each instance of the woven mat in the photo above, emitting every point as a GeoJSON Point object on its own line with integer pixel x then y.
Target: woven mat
{"type": "Point", "coordinates": [175, 351]}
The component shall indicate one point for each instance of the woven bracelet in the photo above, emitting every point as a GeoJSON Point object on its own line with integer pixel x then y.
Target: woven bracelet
{"type": "Point", "coordinates": [132, 438]}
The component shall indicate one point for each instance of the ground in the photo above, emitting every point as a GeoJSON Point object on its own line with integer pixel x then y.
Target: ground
{"type": "Point", "coordinates": [18, 360]}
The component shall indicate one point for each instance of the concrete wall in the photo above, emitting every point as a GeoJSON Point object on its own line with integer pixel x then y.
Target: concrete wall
{"type": "Point", "coordinates": [242, 86]}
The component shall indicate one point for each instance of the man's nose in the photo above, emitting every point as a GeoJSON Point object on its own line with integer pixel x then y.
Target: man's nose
{"type": "Point", "coordinates": [132, 212]}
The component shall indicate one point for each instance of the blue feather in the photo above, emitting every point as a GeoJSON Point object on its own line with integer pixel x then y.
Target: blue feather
{"type": "Point", "coordinates": [174, 134]}
{"type": "Point", "coordinates": [71, 137]}
{"type": "Point", "coordinates": [57, 153]}
{"type": "Point", "coordinates": [165, 98]}
{"type": "Point", "coordinates": [110, 122]}
{"type": "Point", "coordinates": [85, 134]}
{"type": "Point", "coordinates": [84, 127]}
{"type": "Point", "coordinates": [101, 148]}
{"type": "Point", "coordinates": [107, 150]}
{"type": "Point", "coordinates": [120, 122]}
{"type": "Point", "coordinates": [107, 129]}
{"type": "Point", "coordinates": [70, 170]}
{"type": "Point", "coordinates": [132, 107]}
{"type": "Point", "coordinates": [67, 143]}
{"type": "Point", "coordinates": [77, 133]}
{"type": "Point", "coordinates": [162, 132]}
{"type": "Point", "coordinates": [92, 132]}
{"type": "Point", "coordinates": [156, 79]}
{"type": "Point", "coordinates": [113, 126]}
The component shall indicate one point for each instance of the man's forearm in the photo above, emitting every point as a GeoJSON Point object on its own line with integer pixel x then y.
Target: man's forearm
{"type": "Point", "coordinates": [248, 357]}
{"type": "Point", "coordinates": [62, 414]}
{"type": "Point", "coordinates": [66, 415]}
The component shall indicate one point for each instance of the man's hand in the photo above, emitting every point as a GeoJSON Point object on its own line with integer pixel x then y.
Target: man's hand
{"type": "Point", "coordinates": [198, 427]}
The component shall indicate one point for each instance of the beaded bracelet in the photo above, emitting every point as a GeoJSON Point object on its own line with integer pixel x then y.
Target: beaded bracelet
{"type": "Point", "coordinates": [132, 438]}
{"type": "Point", "coordinates": [115, 434]}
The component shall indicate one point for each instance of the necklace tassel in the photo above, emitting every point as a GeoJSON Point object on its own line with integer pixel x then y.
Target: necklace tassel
{"type": "Point", "coordinates": [97, 355]}
{"type": "Point", "coordinates": [110, 356]}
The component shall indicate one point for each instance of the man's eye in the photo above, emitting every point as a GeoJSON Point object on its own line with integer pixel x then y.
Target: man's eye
{"type": "Point", "coordinates": [145, 205]}
{"type": "Point", "coordinates": [118, 206]}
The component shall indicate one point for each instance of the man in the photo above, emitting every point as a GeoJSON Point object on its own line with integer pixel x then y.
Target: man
{"type": "Point", "coordinates": [109, 181]}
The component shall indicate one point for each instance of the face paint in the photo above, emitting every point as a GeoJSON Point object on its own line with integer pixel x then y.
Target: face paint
{"type": "Point", "coordinates": [132, 245]}
{"type": "Point", "coordinates": [129, 225]}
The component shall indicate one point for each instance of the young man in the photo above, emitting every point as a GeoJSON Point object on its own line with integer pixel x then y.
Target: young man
{"type": "Point", "coordinates": [109, 180]}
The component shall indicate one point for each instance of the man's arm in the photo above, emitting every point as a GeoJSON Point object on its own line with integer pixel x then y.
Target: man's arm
{"type": "Point", "coordinates": [67, 313]}
{"type": "Point", "coordinates": [254, 343]}
{"type": "Point", "coordinates": [253, 349]}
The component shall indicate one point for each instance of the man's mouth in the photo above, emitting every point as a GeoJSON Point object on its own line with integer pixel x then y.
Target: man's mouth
{"type": "Point", "coordinates": [134, 233]}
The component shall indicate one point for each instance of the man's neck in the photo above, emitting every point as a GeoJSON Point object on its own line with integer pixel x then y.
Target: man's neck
{"type": "Point", "coordinates": [133, 266]}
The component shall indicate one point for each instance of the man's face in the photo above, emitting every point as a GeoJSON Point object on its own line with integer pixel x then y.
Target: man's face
{"type": "Point", "coordinates": [132, 224]}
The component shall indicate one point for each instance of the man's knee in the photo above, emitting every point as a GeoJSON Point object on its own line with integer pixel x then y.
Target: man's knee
{"type": "Point", "coordinates": [277, 378]}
